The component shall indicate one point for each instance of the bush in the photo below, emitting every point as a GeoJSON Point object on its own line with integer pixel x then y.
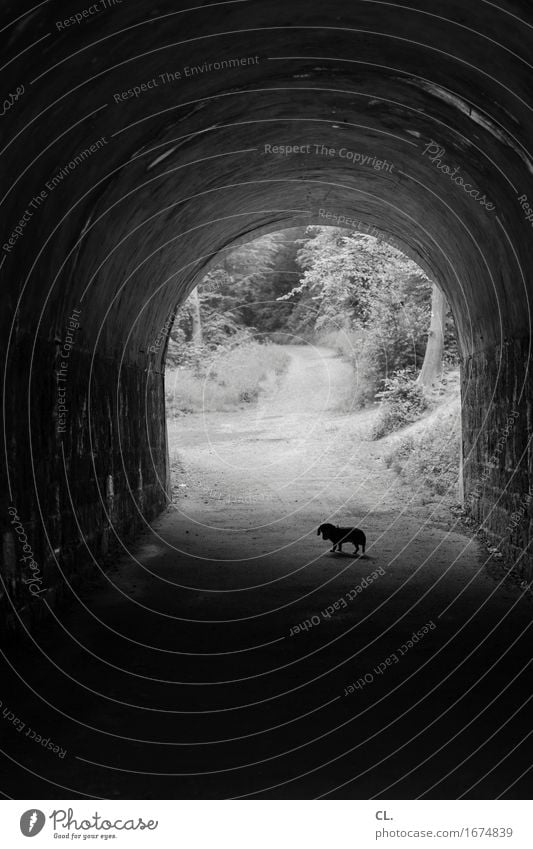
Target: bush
{"type": "Point", "coordinates": [430, 458]}
{"type": "Point", "coordinates": [225, 379]}
{"type": "Point", "coordinates": [403, 402]}
{"type": "Point", "coordinates": [181, 352]}
{"type": "Point", "coordinates": [357, 348]}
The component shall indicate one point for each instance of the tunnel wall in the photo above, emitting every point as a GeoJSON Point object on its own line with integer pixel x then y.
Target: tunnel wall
{"type": "Point", "coordinates": [111, 453]}
{"type": "Point", "coordinates": [186, 169]}
{"type": "Point", "coordinates": [497, 407]}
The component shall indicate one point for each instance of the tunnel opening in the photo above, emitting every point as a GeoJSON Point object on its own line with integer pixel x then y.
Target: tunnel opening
{"type": "Point", "coordinates": [303, 342]}
{"type": "Point", "coordinates": [140, 148]}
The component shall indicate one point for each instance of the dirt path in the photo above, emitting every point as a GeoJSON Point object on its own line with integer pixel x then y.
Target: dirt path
{"type": "Point", "coordinates": [293, 448]}
{"type": "Point", "coordinates": [230, 654]}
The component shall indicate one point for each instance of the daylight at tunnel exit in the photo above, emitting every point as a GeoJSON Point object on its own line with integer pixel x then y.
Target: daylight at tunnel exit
{"type": "Point", "coordinates": [266, 498]}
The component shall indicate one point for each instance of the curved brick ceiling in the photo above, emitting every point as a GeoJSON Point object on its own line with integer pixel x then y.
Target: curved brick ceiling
{"type": "Point", "coordinates": [185, 168]}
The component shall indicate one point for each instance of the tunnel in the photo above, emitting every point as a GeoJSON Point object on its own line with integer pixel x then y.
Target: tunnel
{"type": "Point", "coordinates": [141, 141]}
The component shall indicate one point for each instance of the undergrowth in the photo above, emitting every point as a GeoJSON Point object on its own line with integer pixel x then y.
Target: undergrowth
{"type": "Point", "coordinates": [403, 401]}
{"type": "Point", "coordinates": [428, 457]}
{"type": "Point", "coordinates": [223, 380]}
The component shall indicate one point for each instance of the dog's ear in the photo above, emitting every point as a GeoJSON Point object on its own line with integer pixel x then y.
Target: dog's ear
{"type": "Point", "coordinates": [318, 532]}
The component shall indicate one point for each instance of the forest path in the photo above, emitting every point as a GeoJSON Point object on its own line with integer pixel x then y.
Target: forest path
{"type": "Point", "coordinates": [221, 656]}
{"type": "Point", "coordinates": [293, 447]}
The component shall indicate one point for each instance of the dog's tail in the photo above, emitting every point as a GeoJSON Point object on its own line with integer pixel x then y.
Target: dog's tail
{"type": "Point", "coordinates": [318, 532]}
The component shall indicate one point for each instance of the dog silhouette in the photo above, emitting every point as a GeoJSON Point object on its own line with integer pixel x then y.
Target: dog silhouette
{"type": "Point", "coordinates": [339, 536]}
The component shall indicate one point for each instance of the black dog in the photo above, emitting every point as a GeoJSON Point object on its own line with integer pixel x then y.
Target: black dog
{"type": "Point", "coordinates": [339, 536]}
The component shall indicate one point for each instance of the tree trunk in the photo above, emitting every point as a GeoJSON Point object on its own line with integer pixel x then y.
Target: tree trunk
{"type": "Point", "coordinates": [197, 335]}
{"type": "Point", "coordinates": [432, 366]}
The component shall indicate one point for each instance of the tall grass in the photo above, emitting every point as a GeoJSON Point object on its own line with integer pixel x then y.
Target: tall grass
{"type": "Point", "coordinates": [403, 401]}
{"type": "Point", "coordinates": [227, 380]}
{"type": "Point", "coordinates": [428, 455]}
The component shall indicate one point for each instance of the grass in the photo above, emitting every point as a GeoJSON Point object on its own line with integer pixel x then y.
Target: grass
{"type": "Point", "coordinates": [403, 402]}
{"type": "Point", "coordinates": [426, 456]}
{"type": "Point", "coordinates": [229, 380]}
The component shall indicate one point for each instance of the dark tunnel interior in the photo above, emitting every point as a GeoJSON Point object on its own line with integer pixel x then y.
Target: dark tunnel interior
{"type": "Point", "coordinates": [139, 142]}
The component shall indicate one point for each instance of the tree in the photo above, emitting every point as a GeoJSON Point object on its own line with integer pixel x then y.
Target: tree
{"type": "Point", "coordinates": [351, 277]}
{"type": "Point", "coordinates": [366, 299]}
{"type": "Point", "coordinates": [260, 271]}
{"type": "Point", "coordinates": [432, 366]}
{"type": "Point", "coordinates": [354, 292]}
{"type": "Point", "coordinates": [196, 318]}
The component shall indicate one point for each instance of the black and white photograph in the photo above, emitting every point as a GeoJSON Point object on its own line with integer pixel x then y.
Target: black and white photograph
{"type": "Point", "coordinates": [266, 496]}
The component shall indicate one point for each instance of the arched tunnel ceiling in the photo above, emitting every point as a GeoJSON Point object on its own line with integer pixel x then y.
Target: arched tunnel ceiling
{"type": "Point", "coordinates": [191, 162]}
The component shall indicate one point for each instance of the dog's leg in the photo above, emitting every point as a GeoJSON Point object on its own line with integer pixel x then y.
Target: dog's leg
{"type": "Point", "coordinates": [340, 547]}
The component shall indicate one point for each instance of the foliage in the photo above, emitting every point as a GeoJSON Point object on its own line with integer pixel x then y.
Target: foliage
{"type": "Point", "coordinates": [224, 379]}
{"type": "Point", "coordinates": [363, 287]}
{"type": "Point", "coordinates": [403, 402]}
{"type": "Point", "coordinates": [220, 321]}
{"type": "Point", "coordinates": [325, 285]}
{"type": "Point", "coordinates": [353, 277]}
{"type": "Point", "coordinates": [430, 457]}
{"type": "Point", "coordinates": [239, 295]}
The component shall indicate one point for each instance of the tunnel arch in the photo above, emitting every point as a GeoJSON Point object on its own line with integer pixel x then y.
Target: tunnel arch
{"type": "Point", "coordinates": [110, 194]}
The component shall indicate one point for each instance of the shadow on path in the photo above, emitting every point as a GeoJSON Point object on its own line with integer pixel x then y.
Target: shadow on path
{"type": "Point", "coordinates": [232, 655]}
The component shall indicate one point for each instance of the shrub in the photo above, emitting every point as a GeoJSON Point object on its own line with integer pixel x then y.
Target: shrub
{"type": "Point", "coordinates": [357, 348]}
{"type": "Point", "coordinates": [430, 457]}
{"type": "Point", "coordinates": [225, 379]}
{"type": "Point", "coordinates": [403, 402]}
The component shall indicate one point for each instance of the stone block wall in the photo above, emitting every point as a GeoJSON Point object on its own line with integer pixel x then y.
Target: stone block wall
{"type": "Point", "coordinates": [497, 402]}
{"type": "Point", "coordinates": [76, 492]}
